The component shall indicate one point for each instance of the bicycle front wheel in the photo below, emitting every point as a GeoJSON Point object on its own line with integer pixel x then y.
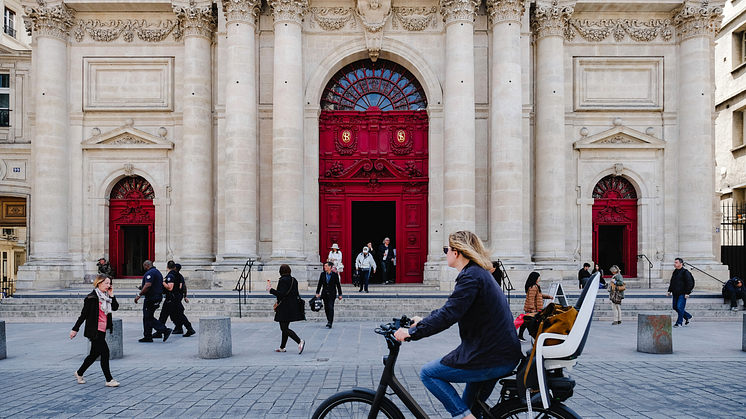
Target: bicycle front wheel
{"type": "Point", "coordinates": [355, 405]}
{"type": "Point", "coordinates": [515, 409]}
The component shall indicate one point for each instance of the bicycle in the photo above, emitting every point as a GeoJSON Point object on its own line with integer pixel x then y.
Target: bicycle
{"type": "Point", "coordinates": [366, 403]}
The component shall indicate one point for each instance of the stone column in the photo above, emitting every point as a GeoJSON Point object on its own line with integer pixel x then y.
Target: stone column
{"type": "Point", "coordinates": [287, 130]}
{"type": "Point", "coordinates": [548, 22]}
{"type": "Point", "coordinates": [240, 131]}
{"type": "Point", "coordinates": [198, 23]}
{"type": "Point", "coordinates": [506, 131]}
{"type": "Point", "coordinates": [459, 187]}
{"type": "Point", "coordinates": [696, 25]}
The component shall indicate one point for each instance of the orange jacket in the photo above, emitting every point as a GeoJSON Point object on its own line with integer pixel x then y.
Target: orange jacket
{"type": "Point", "coordinates": [534, 300]}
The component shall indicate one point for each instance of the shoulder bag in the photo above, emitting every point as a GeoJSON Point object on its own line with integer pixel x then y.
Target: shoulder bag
{"type": "Point", "coordinates": [277, 303]}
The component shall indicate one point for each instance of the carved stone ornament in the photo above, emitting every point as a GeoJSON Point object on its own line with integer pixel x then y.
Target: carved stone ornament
{"type": "Point", "coordinates": [618, 139]}
{"type": "Point", "coordinates": [618, 169]}
{"type": "Point", "coordinates": [640, 31]}
{"type": "Point", "coordinates": [505, 10]}
{"type": "Point", "coordinates": [127, 29]}
{"type": "Point", "coordinates": [289, 10]}
{"type": "Point", "coordinates": [50, 20]}
{"type": "Point", "coordinates": [129, 169]}
{"type": "Point", "coordinates": [332, 18]}
{"type": "Point", "coordinates": [458, 10]}
{"type": "Point", "coordinates": [414, 19]}
{"type": "Point", "coordinates": [197, 20]}
{"type": "Point", "coordinates": [550, 20]}
{"type": "Point", "coordinates": [697, 19]}
{"type": "Point", "coordinates": [241, 10]}
{"type": "Point", "coordinates": [373, 14]}
{"type": "Point", "coordinates": [128, 140]}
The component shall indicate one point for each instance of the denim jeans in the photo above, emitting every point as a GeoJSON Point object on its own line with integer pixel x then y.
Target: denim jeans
{"type": "Point", "coordinates": [364, 278]}
{"type": "Point", "coordinates": [437, 378]}
{"type": "Point", "coordinates": [679, 304]}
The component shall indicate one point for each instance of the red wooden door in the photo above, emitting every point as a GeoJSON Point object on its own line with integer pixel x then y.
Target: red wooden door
{"type": "Point", "coordinates": [614, 217]}
{"type": "Point", "coordinates": [131, 208]}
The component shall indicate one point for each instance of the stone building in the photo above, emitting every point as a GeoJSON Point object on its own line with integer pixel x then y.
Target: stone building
{"type": "Point", "coordinates": [216, 132]}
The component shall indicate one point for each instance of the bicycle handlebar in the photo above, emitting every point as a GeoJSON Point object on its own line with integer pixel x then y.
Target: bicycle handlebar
{"type": "Point", "coordinates": [389, 329]}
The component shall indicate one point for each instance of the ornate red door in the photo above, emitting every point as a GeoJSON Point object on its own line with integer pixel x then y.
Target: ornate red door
{"type": "Point", "coordinates": [131, 226]}
{"type": "Point", "coordinates": [615, 225]}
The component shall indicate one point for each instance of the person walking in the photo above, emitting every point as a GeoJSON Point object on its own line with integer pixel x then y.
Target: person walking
{"type": "Point", "coordinates": [335, 256]}
{"type": "Point", "coordinates": [384, 252]}
{"type": "Point", "coordinates": [172, 288]}
{"type": "Point", "coordinates": [327, 290]}
{"type": "Point", "coordinates": [287, 309]}
{"type": "Point", "coordinates": [616, 285]}
{"type": "Point", "coordinates": [681, 286]}
{"type": "Point", "coordinates": [181, 295]}
{"type": "Point", "coordinates": [152, 289]}
{"type": "Point", "coordinates": [364, 263]}
{"type": "Point", "coordinates": [96, 313]}
{"type": "Point", "coordinates": [733, 290]}
{"type": "Point", "coordinates": [534, 299]}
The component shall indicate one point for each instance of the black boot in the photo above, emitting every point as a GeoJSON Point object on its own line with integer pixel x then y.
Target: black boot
{"type": "Point", "coordinates": [178, 331]}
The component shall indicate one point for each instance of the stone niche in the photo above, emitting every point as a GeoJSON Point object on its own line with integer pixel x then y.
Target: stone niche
{"type": "Point", "coordinates": [128, 83]}
{"type": "Point", "coordinates": [618, 83]}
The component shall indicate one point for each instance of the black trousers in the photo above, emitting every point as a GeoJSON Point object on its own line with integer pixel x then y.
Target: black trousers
{"type": "Point", "coordinates": [329, 308]}
{"type": "Point", "coordinates": [149, 322]}
{"type": "Point", "coordinates": [287, 333]}
{"type": "Point", "coordinates": [98, 348]}
{"type": "Point", "coordinates": [734, 296]}
{"type": "Point", "coordinates": [174, 309]}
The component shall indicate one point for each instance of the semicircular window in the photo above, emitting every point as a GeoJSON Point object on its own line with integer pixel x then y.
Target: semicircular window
{"type": "Point", "coordinates": [132, 188]}
{"type": "Point", "coordinates": [363, 84]}
{"type": "Point", "coordinates": [614, 187]}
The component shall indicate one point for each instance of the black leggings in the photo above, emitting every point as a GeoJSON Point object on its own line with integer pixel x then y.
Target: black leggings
{"type": "Point", "coordinates": [286, 332]}
{"type": "Point", "coordinates": [98, 348]}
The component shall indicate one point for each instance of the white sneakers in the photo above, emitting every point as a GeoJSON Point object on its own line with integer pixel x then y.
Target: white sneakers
{"type": "Point", "coordinates": [112, 383]}
{"type": "Point", "coordinates": [80, 378]}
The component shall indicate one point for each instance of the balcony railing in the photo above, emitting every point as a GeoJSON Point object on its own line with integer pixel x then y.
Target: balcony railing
{"type": "Point", "coordinates": [10, 31]}
{"type": "Point", "coordinates": [4, 117]}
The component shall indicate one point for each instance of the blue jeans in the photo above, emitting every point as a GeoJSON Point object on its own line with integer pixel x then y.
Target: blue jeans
{"type": "Point", "coordinates": [364, 277]}
{"type": "Point", "coordinates": [679, 304]}
{"type": "Point", "coordinates": [437, 378]}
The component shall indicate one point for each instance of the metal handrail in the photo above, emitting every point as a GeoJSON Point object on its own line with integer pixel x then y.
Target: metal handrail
{"type": "Point", "coordinates": [687, 263]}
{"type": "Point", "coordinates": [241, 284]}
{"type": "Point", "coordinates": [507, 285]}
{"type": "Point", "coordinates": [650, 269]}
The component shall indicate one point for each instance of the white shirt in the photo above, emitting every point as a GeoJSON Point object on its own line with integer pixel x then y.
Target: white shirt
{"type": "Point", "coordinates": [365, 262]}
{"type": "Point", "coordinates": [337, 259]}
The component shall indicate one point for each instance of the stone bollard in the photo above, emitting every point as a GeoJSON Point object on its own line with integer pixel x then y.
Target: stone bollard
{"type": "Point", "coordinates": [114, 340]}
{"type": "Point", "coordinates": [654, 334]}
{"type": "Point", "coordinates": [215, 337]}
{"type": "Point", "coordinates": [3, 351]}
{"type": "Point", "coordinates": [743, 336]}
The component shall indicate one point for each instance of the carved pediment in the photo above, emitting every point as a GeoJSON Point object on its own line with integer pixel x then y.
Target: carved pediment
{"type": "Point", "coordinates": [367, 169]}
{"type": "Point", "coordinates": [126, 137]}
{"type": "Point", "coordinates": [619, 137]}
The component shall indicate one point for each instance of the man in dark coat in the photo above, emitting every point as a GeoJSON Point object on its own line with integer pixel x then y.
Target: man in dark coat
{"type": "Point", "coordinates": [327, 289]}
{"type": "Point", "coordinates": [386, 255]}
{"type": "Point", "coordinates": [733, 290]}
{"type": "Point", "coordinates": [152, 289]}
{"type": "Point", "coordinates": [682, 284]}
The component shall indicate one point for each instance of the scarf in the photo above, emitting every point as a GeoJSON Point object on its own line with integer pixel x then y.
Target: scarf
{"type": "Point", "coordinates": [104, 300]}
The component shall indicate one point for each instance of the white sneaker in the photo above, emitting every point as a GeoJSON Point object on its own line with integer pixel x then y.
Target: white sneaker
{"type": "Point", "coordinates": [112, 383]}
{"type": "Point", "coordinates": [80, 378]}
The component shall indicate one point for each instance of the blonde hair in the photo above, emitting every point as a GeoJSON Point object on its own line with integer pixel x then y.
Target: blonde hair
{"type": "Point", "coordinates": [470, 245]}
{"type": "Point", "coordinates": [614, 269]}
{"type": "Point", "coordinates": [99, 279]}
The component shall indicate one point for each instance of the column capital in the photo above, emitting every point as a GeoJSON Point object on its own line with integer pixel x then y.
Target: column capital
{"type": "Point", "coordinates": [47, 20]}
{"type": "Point", "coordinates": [551, 19]}
{"type": "Point", "coordinates": [196, 20]}
{"type": "Point", "coordinates": [458, 10]}
{"type": "Point", "coordinates": [697, 19]}
{"type": "Point", "coordinates": [241, 10]}
{"type": "Point", "coordinates": [289, 10]}
{"type": "Point", "coordinates": [505, 10]}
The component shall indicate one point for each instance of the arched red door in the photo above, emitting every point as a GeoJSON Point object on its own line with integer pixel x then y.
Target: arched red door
{"type": "Point", "coordinates": [131, 226]}
{"type": "Point", "coordinates": [373, 165]}
{"type": "Point", "coordinates": [615, 225]}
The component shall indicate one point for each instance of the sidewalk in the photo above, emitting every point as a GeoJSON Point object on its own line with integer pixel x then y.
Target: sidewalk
{"type": "Point", "coordinates": [702, 379]}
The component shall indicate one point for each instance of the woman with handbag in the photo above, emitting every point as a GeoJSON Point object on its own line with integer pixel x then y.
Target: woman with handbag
{"type": "Point", "coordinates": [616, 293]}
{"type": "Point", "coordinates": [534, 300]}
{"type": "Point", "coordinates": [287, 308]}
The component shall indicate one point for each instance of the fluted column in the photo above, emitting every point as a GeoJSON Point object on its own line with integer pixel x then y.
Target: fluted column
{"type": "Point", "coordinates": [287, 130]}
{"type": "Point", "coordinates": [506, 128]}
{"type": "Point", "coordinates": [198, 23]}
{"type": "Point", "coordinates": [548, 22]}
{"type": "Point", "coordinates": [50, 147]}
{"type": "Point", "coordinates": [696, 25]}
{"type": "Point", "coordinates": [459, 188]}
{"type": "Point", "coordinates": [240, 130]}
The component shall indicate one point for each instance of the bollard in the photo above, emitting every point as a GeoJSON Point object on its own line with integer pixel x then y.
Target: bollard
{"type": "Point", "coordinates": [743, 334]}
{"type": "Point", "coordinates": [114, 340]}
{"type": "Point", "coordinates": [3, 351]}
{"type": "Point", "coordinates": [215, 337]}
{"type": "Point", "coordinates": [654, 333]}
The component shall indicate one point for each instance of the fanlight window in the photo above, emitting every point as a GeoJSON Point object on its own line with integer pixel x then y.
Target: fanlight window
{"type": "Point", "coordinates": [132, 188]}
{"type": "Point", "coordinates": [383, 84]}
{"type": "Point", "coordinates": [614, 187]}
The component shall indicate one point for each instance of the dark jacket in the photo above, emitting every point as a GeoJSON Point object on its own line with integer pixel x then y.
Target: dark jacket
{"type": "Point", "coordinates": [153, 275]}
{"type": "Point", "coordinates": [488, 337]}
{"type": "Point", "coordinates": [682, 282]}
{"type": "Point", "coordinates": [329, 290]}
{"type": "Point", "coordinates": [731, 287]}
{"type": "Point", "coordinates": [288, 309]}
{"type": "Point", "coordinates": [583, 276]}
{"type": "Point", "coordinates": [89, 315]}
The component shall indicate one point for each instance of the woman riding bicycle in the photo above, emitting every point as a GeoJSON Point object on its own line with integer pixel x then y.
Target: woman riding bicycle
{"type": "Point", "coordinates": [489, 346]}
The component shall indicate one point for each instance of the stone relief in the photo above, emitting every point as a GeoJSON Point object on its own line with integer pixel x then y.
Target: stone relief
{"type": "Point", "coordinates": [110, 31]}
{"type": "Point", "coordinates": [332, 18]}
{"type": "Point", "coordinates": [550, 20]}
{"type": "Point", "coordinates": [414, 19]}
{"type": "Point", "coordinates": [129, 169]}
{"type": "Point", "coordinates": [128, 140]}
{"type": "Point", "coordinates": [693, 19]}
{"type": "Point", "coordinates": [50, 20]}
{"type": "Point", "coordinates": [241, 10]}
{"type": "Point", "coordinates": [196, 20]}
{"type": "Point", "coordinates": [373, 14]}
{"type": "Point", "coordinates": [289, 10]}
{"type": "Point", "coordinates": [617, 139]}
{"type": "Point", "coordinates": [458, 10]}
{"type": "Point", "coordinates": [640, 31]}
{"type": "Point", "coordinates": [504, 10]}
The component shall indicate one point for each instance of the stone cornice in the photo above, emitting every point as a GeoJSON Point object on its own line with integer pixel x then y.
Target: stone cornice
{"type": "Point", "coordinates": [505, 10]}
{"type": "Point", "coordinates": [241, 10]}
{"type": "Point", "coordinates": [458, 10]}
{"type": "Point", "coordinates": [550, 20]}
{"type": "Point", "coordinates": [53, 21]}
{"type": "Point", "coordinates": [196, 20]}
{"type": "Point", "coordinates": [697, 19]}
{"type": "Point", "coordinates": [289, 10]}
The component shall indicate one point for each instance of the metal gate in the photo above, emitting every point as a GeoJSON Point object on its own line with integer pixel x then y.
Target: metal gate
{"type": "Point", "coordinates": [732, 246]}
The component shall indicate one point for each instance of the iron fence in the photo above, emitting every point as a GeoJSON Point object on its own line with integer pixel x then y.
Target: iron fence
{"type": "Point", "coordinates": [732, 243]}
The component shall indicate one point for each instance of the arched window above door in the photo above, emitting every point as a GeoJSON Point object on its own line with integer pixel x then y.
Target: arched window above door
{"type": "Point", "coordinates": [132, 188]}
{"type": "Point", "coordinates": [383, 84]}
{"type": "Point", "coordinates": [614, 187]}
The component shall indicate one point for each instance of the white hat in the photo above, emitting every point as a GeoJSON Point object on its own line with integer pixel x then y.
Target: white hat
{"type": "Point", "coordinates": [334, 246]}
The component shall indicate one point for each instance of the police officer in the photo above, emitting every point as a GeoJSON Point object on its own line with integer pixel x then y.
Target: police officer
{"type": "Point", "coordinates": [181, 294]}
{"type": "Point", "coordinates": [173, 285]}
{"type": "Point", "coordinates": [152, 289]}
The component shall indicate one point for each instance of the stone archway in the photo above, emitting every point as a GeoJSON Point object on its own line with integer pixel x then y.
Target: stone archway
{"type": "Point", "coordinates": [131, 226]}
{"type": "Point", "coordinates": [615, 225]}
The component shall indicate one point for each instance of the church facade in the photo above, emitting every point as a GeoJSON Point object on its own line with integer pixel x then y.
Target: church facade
{"type": "Point", "coordinates": [213, 133]}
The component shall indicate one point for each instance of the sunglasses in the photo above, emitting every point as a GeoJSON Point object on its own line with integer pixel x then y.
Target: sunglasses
{"type": "Point", "coordinates": [446, 249]}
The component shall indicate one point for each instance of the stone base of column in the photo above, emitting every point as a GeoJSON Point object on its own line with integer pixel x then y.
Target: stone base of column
{"type": "Point", "coordinates": [307, 273]}
{"type": "Point", "coordinates": [40, 276]}
{"type": "Point", "coordinates": [227, 272]}
{"type": "Point", "coordinates": [196, 275]}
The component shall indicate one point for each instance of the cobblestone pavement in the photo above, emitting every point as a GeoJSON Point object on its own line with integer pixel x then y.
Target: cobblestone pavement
{"type": "Point", "coordinates": [702, 379]}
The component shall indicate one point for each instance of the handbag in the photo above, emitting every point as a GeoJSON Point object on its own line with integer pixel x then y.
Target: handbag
{"type": "Point", "coordinates": [615, 296]}
{"type": "Point", "coordinates": [518, 322]}
{"type": "Point", "coordinates": [277, 303]}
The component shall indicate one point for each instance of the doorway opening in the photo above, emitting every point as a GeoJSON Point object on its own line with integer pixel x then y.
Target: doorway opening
{"type": "Point", "coordinates": [610, 247]}
{"type": "Point", "coordinates": [12, 242]}
{"type": "Point", "coordinates": [135, 250]}
{"type": "Point", "coordinates": [373, 221]}
{"type": "Point", "coordinates": [131, 226]}
{"type": "Point", "coordinates": [615, 226]}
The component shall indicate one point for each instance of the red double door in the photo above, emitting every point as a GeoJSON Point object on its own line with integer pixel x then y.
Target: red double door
{"type": "Point", "coordinates": [615, 235]}
{"type": "Point", "coordinates": [373, 182]}
{"type": "Point", "coordinates": [131, 235]}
